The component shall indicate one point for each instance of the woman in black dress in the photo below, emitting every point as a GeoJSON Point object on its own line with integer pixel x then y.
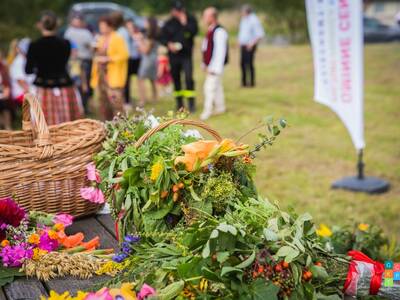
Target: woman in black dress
{"type": "Point", "coordinates": [47, 58]}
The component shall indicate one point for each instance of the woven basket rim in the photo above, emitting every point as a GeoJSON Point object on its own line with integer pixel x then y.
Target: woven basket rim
{"type": "Point", "coordinates": [91, 137]}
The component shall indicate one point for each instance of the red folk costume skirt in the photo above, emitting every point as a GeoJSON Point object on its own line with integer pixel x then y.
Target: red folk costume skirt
{"type": "Point", "coordinates": [60, 105]}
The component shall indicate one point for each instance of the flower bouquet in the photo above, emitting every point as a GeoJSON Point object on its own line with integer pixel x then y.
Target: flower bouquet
{"type": "Point", "coordinates": [194, 227]}
{"type": "Point", "coordinates": [35, 244]}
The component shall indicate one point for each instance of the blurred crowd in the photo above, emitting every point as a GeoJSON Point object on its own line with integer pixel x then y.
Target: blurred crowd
{"type": "Point", "coordinates": [84, 72]}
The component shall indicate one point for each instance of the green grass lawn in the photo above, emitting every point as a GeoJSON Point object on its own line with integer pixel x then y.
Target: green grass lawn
{"type": "Point", "coordinates": [316, 149]}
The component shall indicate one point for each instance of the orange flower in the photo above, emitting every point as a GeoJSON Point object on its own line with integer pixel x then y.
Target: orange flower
{"type": "Point", "coordinates": [5, 243]}
{"type": "Point", "coordinates": [34, 239]}
{"type": "Point", "coordinates": [58, 226]}
{"type": "Point", "coordinates": [52, 234]}
{"type": "Point", "coordinates": [200, 153]}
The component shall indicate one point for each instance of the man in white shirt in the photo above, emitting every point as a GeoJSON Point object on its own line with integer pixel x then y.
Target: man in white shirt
{"type": "Point", "coordinates": [215, 56]}
{"type": "Point", "coordinates": [251, 32]}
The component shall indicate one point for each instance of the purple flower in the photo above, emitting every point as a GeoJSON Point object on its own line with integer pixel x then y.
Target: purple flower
{"type": "Point", "coordinates": [132, 239]}
{"type": "Point", "coordinates": [14, 256]}
{"type": "Point", "coordinates": [118, 258]}
{"type": "Point", "coordinates": [46, 243]}
{"type": "Point", "coordinates": [126, 248]}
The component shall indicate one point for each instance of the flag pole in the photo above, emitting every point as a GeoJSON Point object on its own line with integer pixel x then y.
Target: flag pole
{"type": "Point", "coordinates": [360, 182]}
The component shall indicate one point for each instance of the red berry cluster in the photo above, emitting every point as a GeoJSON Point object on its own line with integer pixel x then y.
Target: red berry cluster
{"type": "Point", "coordinates": [279, 273]}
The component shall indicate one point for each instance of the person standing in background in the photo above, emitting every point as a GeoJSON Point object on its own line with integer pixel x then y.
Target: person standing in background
{"type": "Point", "coordinates": [82, 39]}
{"type": "Point", "coordinates": [178, 35]}
{"type": "Point", "coordinates": [21, 83]}
{"type": "Point", "coordinates": [215, 56]}
{"type": "Point", "coordinates": [147, 44]}
{"type": "Point", "coordinates": [109, 69]}
{"type": "Point", "coordinates": [119, 25]}
{"type": "Point", "coordinates": [251, 32]}
{"type": "Point", "coordinates": [134, 56]}
{"type": "Point", "coordinates": [47, 58]}
{"type": "Point", "coordinates": [6, 105]}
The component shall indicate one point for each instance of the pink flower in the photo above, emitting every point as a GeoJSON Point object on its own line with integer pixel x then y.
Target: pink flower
{"type": "Point", "coordinates": [47, 243]}
{"type": "Point", "coordinates": [103, 294]}
{"type": "Point", "coordinates": [14, 256]}
{"type": "Point", "coordinates": [92, 194]}
{"type": "Point", "coordinates": [92, 173]}
{"type": "Point", "coordinates": [64, 219]}
{"type": "Point", "coordinates": [146, 291]}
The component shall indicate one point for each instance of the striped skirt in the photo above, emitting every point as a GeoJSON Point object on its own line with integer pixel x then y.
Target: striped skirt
{"type": "Point", "coordinates": [60, 105]}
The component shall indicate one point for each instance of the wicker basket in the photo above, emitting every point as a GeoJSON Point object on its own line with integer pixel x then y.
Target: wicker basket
{"type": "Point", "coordinates": [160, 127]}
{"type": "Point", "coordinates": [43, 168]}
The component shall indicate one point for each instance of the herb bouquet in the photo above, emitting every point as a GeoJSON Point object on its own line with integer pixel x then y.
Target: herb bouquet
{"type": "Point", "coordinates": [194, 227]}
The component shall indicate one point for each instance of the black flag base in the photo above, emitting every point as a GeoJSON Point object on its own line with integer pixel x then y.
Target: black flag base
{"type": "Point", "coordinates": [360, 183]}
{"type": "Point", "coordinates": [370, 185]}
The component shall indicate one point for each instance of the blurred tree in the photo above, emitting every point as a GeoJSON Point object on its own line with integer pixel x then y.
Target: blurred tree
{"type": "Point", "coordinates": [287, 17]}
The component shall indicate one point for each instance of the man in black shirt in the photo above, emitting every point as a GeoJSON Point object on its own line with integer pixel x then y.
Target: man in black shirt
{"type": "Point", "coordinates": [178, 35]}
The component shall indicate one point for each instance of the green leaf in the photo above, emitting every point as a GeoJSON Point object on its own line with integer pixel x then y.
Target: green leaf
{"type": "Point", "coordinates": [214, 234]}
{"type": "Point", "coordinates": [247, 262]}
{"type": "Point", "coordinates": [111, 169]}
{"type": "Point", "coordinates": [319, 272]}
{"type": "Point", "coordinates": [210, 275]}
{"type": "Point", "coordinates": [262, 290]}
{"type": "Point", "coordinates": [193, 194]}
{"type": "Point", "coordinates": [226, 270]}
{"type": "Point", "coordinates": [206, 250]}
{"type": "Point", "coordinates": [270, 235]}
{"type": "Point", "coordinates": [227, 228]}
{"type": "Point", "coordinates": [222, 256]}
{"type": "Point", "coordinates": [171, 291]}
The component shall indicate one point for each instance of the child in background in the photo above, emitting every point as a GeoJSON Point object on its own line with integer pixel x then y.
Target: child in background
{"type": "Point", "coordinates": [164, 77]}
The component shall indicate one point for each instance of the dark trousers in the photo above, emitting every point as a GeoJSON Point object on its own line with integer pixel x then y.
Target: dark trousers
{"type": "Point", "coordinates": [247, 65]}
{"type": "Point", "coordinates": [133, 67]}
{"type": "Point", "coordinates": [183, 65]}
{"type": "Point", "coordinates": [86, 67]}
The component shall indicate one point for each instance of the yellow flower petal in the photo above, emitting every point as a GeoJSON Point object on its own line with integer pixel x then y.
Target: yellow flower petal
{"type": "Point", "coordinates": [363, 226]}
{"type": "Point", "coordinates": [324, 231]}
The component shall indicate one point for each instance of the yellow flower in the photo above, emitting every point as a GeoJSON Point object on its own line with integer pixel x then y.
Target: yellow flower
{"type": "Point", "coordinates": [37, 253]}
{"type": "Point", "coordinates": [363, 226]}
{"type": "Point", "coordinates": [5, 243]}
{"type": "Point", "coordinates": [52, 234]}
{"type": "Point", "coordinates": [110, 268]}
{"type": "Point", "coordinates": [203, 284]}
{"type": "Point", "coordinates": [34, 239]}
{"type": "Point", "coordinates": [58, 226]}
{"type": "Point", "coordinates": [65, 296]}
{"type": "Point", "coordinates": [156, 170]}
{"type": "Point", "coordinates": [125, 292]}
{"type": "Point", "coordinates": [324, 231]}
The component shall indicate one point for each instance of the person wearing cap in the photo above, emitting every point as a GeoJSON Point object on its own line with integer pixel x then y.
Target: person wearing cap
{"type": "Point", "coordinates": [215, 56]}
{"type": "Point", "coordinates": [21, 83]}
{"type": "Point", "coordinates": [251, 32]}
{"type": "Point", "coordinates": [82, 39]}
{"type": "Point", "coordinates": [178, 35]}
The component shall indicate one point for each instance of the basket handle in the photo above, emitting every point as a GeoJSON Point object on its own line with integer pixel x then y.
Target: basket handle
{"type": "Point", "coordinates": [160, 127]}
{"type": "Point", "coordinates": [40, 130]}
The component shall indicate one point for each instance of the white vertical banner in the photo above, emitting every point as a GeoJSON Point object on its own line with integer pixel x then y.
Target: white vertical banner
{"type": "Point", "coordinates": [336, 33]}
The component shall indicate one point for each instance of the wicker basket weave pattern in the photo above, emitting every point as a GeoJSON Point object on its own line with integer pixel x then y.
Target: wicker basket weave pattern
{"type": "Point", "coordinates": [43, 167]}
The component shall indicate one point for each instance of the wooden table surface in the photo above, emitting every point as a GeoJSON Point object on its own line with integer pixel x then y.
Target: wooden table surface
{"type": "Point", "coordinates": [32, 289]}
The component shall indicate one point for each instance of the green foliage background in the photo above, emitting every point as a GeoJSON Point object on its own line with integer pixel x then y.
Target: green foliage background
{"type": "Point", "coordinates": [18, 17]}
